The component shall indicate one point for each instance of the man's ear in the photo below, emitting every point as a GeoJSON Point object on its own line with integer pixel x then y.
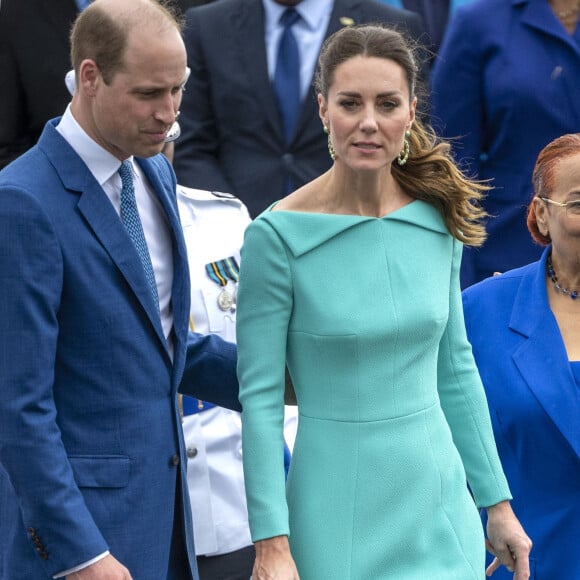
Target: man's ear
{"type": "Point", "coordinates": [89, 77]}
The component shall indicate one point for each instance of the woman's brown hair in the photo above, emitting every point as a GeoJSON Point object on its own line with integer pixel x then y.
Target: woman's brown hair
{"type": "Point", "coordinates": [430, 173]}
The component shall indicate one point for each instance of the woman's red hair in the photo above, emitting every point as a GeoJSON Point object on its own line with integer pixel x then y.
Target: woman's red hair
{"type": "Point", "coordinates": [543, 177]}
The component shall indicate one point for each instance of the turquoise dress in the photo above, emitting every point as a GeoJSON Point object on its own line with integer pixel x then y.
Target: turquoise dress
{"type": "Point", "coordinates": [367, 314]}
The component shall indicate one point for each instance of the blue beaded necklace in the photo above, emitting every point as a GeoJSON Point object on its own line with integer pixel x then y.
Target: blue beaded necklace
{"type": "Point", "coordinates": [552, 274]}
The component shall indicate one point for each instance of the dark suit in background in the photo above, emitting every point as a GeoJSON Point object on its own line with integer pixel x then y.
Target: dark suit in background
{"type": "Point", "coordinates": [34, 57]}
{"type": "Point", "coordinates": [184, 5]}
{"type": "Point", "coordinates": [232, 138]}
{"type": "Point", "coordinates": [435, 14]}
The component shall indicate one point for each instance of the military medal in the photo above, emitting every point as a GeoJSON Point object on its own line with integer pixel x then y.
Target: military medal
{"type": "Point", "coordinates": [220, 272]}
{"type": "Point", "coordinates": [225, 300]}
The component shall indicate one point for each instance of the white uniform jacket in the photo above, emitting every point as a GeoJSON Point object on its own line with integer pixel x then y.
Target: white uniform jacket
{"type": "Point", "coordinates": [213, 226]}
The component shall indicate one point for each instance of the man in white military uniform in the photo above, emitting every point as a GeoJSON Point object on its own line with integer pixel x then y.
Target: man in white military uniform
{"type": "Point", "coordinates": [213, 226]}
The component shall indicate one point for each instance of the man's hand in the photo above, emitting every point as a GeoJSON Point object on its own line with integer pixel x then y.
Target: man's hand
{"type": "Point", "coordinates": [108, 568]}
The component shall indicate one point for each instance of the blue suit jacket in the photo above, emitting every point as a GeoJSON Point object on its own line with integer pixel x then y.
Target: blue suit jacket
{"type": "Point", "coordinates": [232, 137]}
{"type": "Point", "coordinates": [90, 438]}
{"type": "Point", "coordinates": [535, 410]}
{"type": "Point", "coordinates": [505, 83]}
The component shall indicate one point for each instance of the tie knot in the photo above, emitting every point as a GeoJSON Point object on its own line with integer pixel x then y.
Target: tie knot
{"type": "Point", "coordinates": [289, 18]}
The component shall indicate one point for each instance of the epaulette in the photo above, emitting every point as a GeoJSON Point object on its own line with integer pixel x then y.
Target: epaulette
{"type": "Point", "coordinates": [223, 195]}
{"type": "Point", "coordinates": [204, 195]}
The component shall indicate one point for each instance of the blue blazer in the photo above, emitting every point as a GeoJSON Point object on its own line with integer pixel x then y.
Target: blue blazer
{"type": "Point", "coordinates": [232, 137]}
{"type": "Point", "coordinates": [535, 410]}
{"type": "Point", "coordinates": [505, 84]}
{"type": "Point", "coordinates": [90, 441]}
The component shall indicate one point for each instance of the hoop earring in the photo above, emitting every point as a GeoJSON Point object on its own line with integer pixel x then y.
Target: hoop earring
{"type": "Point", "coordinates": [331, 150]}
{"type": "Point", "coordinates": [404, 154]}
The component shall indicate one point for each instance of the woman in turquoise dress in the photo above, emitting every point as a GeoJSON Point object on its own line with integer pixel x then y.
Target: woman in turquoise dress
{"type": "Point", "coordinates": [352, 283]}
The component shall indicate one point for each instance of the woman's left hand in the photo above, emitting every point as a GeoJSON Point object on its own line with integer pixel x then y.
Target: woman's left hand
{"type": "Point", "coordinates": [507, 541]}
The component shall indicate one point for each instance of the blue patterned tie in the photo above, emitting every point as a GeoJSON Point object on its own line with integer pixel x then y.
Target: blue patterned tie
{"type": "Point", "coordinates": [287, 74]}
{"type": "Point", "coordinates": [132, 221]}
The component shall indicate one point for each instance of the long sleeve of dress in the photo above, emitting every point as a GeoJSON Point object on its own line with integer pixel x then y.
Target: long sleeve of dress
{"type": "Point", "coordinates": [264, 307]}
{"type": "Point", "coordinates": [464, 403]}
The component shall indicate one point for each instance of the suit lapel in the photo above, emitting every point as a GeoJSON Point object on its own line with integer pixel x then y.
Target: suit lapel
{"type": "Point", "coordinates": [538, 14]}
{"type": "Point", "coordinates": [344, 13]}
{"type": "Point", "coordinates": [248, 22]}
{"type": "Point", "coordinates": [541, 359]}
{"type": "Point", "coordinates": [100, 215]}
{"type": "Point", "coordinates": [180, 295]}
{"type": "Point", "coordinates": [108, 228]}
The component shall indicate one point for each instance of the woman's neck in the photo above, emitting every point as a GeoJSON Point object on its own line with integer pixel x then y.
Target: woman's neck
{"type": "Point", "coordinates": [372, 194]}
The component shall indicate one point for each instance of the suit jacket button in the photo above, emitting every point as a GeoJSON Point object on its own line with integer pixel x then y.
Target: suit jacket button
{"type": "Point", "coordinates": [191, 452]}
{"type": "Point", "coordinates": [175, 460]}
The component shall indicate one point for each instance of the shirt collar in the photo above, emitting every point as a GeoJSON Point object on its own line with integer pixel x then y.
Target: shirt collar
{"type": "Point", "coordinates": [102, 164]}
{"type": "Point", "coordinates": [311, 11]}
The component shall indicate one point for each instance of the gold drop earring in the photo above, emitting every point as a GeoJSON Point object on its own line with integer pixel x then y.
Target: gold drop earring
{"type": "Point", "coordinates": [404, 154]}
{"type": "Point", "coordinates": [331, 150]}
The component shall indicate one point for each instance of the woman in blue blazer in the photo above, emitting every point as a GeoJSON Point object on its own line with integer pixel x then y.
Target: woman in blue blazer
{"type": "Point", "coordinates": [435, 15]}
{"type": "Point", "coordinates": [523, 326]}
{"type": "Point", "coordinates": [505, 83]}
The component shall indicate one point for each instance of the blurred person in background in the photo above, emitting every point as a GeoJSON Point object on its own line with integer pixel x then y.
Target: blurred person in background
{"type": "Point", "coordinates": [524, 326]}
{"type": "Point", "coordinates": [34, 57]}
{"type": "Point", "coordinates": [435, 15]}
{"type": "Point", "coordinates": [249, 115]}
{"type": "Point", "coordinates": [505, 83]}
{"type": "Point", "coordinates": [213, 228]}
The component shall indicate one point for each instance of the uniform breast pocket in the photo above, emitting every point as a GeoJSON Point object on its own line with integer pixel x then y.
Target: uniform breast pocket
{"type": "Point", "coordinates": [220, 306]}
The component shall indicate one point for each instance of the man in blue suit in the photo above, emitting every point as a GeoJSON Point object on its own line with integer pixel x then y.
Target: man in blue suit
{"type": "Point", "coordinates": [95, 308]}
{"type": "Point", "coordinates": [233, 137]}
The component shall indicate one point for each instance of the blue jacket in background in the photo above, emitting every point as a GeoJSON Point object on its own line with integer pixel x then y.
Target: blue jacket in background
{"type": "Point", "coordinates": [505, 83]}
{"type": "Point", "coordinates": [534, 403]}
